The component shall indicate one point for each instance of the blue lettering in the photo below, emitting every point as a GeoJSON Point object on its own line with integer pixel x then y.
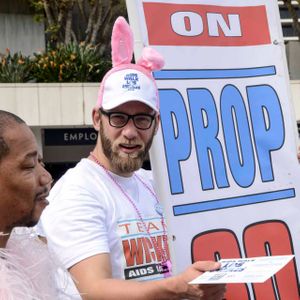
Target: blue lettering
{"type": "Point", "coordinates": [208, 147]}
{"type": "Point", "coordinates": [268, 126]}
{"type": "Point", "coordinates": [237, 137]}
{"type": "Point", "coordinates": [176, 135]}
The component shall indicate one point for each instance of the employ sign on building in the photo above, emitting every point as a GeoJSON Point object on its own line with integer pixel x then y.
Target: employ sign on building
{"type": "Point", "coordinates": [70, 136]}
{"type": "Point", "coordinates": [224, 161]}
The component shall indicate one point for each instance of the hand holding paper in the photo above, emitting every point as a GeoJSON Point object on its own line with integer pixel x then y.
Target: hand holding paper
{"type": "Point", "coordinates": [247, 270]}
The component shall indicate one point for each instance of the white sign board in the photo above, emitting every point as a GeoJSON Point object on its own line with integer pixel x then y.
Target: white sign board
{"type": "Point", "coordinates": [225, 162]}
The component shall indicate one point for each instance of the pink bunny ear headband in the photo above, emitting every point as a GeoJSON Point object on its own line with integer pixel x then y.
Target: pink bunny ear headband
{"type": "Point", "coordinates": [126, 81]}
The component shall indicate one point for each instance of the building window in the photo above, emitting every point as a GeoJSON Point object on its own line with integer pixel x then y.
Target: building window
{"type": "Point", "coordinates": [289, 33]}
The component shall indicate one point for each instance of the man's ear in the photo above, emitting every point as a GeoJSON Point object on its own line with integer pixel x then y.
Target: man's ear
{"type": "Point", "coordinates": [96, 118]}
{"type": "Point", "coordinates": [157, 123]}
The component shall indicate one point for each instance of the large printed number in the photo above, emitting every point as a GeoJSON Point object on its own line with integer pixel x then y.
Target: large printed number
{"type": "Point", "coordinates": [212, 245]}
{"type": "Point", "coordinates": [272, 238]}
{"type": "Point", "coordinates": [260, 239]}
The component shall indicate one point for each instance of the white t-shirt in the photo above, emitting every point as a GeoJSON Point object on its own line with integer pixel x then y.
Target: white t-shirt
{"type": "Point", "coordinates": [89, 214]}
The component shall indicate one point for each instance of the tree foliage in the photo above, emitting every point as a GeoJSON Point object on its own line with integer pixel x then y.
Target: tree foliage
{"type": "Point", "coordinates": [292, 8]}
{"type": "Point", "coordinates": [66, 63]}
{"type": "Point", "coordinates": [76, 21]}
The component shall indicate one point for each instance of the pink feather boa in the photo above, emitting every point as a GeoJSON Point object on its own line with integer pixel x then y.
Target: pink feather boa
{"type": "Point", "coordinates": [27, 268]}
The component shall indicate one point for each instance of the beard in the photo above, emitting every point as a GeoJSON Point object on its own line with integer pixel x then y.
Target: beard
{"type": "Point", "coordinates": [128, 163]}
{"type": "Point", "coordinates": [28, 221]}
{"type": "Point", "coordinates": [31, 218]}
{"type": "Point", "coordinates": [31, 221]}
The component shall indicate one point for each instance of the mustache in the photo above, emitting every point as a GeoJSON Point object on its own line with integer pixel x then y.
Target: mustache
{"type": "Point", "coordinates": [43, 193]}
{"type": "Point", "coordinates": [134, 141]}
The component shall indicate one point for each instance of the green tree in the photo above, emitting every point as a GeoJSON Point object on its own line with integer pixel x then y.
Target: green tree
{"type": "Point", "coordinates": [77, 21]}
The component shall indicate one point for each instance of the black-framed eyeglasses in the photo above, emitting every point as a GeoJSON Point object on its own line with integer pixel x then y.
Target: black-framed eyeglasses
{"type": "Point", "coordinates": [120, 119]}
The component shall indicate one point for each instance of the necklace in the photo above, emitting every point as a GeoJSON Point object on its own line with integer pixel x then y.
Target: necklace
{"type": "Point", "coordinates": [4, 233]}
{"type": "Point", "coordinates": [165, 262]}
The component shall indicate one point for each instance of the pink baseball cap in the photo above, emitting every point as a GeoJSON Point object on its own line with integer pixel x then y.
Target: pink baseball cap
{"type": "Point", "coordinates": [126, 81]}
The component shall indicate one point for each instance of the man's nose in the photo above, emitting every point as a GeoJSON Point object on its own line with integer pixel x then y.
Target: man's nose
{"type": "Point", "coordinates": [129, 130]}
{"type": "Point", "coordinates": [45, 177]}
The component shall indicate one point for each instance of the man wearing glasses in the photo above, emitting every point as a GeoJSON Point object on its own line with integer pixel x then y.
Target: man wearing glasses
{"type": "Point", "coordinates": [104, 220]}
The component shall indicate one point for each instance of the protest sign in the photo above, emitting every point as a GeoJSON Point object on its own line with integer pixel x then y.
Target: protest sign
{"type": "Point", "coordinates": [224, 161]}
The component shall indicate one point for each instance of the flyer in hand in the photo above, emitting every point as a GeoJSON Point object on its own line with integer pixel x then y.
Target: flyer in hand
{"type": "Point", "coordinates": [247, 270]}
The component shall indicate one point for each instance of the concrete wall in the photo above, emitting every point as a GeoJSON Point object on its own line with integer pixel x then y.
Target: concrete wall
{"type": "Point", "coordinates": [51, 104]}
{"type": "Point", "coordinates": [293, 59]}
{"type": "Point", "coordinates": [295, 90]}
{"type": "Point", "coordinates": [68, 104]}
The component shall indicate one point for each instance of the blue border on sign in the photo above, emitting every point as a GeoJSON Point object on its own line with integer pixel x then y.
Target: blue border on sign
{"type": "Point", "coordinates": [215, 73]}
{"type": "Point", "coordinates": [192, 208]}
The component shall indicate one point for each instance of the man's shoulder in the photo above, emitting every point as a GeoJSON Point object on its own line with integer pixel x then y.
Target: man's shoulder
{"type": "Point", "coordinates": [84, 178]}
{"type": "Point", "coordinates": [82, 173]}
{"type": "Point", "coordinates": [83, 166]}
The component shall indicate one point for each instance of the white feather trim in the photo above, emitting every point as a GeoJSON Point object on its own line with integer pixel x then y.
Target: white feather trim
{"type": "Point", "coordinates": [27, 268]}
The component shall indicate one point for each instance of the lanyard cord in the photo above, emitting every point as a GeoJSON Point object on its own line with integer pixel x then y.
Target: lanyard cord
{"type": "Point", "coordinates": [161, 251]}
